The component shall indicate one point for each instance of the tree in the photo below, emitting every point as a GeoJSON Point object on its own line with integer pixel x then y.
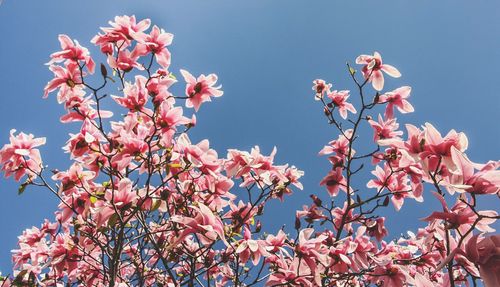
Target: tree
{"type": "Point", "coordinates": [143, 206]}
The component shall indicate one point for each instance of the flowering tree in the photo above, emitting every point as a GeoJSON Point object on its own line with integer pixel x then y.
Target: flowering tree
{"type": "Point", "coordinates": [141, 205]}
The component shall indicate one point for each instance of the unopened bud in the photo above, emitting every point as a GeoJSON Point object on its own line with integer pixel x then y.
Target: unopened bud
{"type": "Point", "coordinates": [326, 111]}
{"type": "Point", "coordinates": [386, 201]}
{"type": "Point", "coordinates": [104, 71]}
{"type": "Point", "coordinates": [258, 226]}
{"type": "Point", "coordinates": [316, 200]}
{"type": "Point", "coordinates": [297, 223]}
{"type": "Point", "coordinates": [260, 209]}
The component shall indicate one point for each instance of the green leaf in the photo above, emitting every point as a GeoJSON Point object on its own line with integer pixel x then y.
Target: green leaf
{"type": "Point", "coordinates": [351, 70]}
{"type": "Point", "coordinates": [93, 199]}
{"type": "Point", "coordinates": [113, 219]}
{"type": "Point", "coordinates": [21, 188]}
{"type": "Point", "coordinates": [156, 205]}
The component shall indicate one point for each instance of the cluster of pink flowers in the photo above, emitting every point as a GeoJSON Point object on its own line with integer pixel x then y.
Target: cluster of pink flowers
{"type": "Point", "coordinates": [443, 253]}
{"type": "Point", "coordinates": [21, 157]}
{"type": "Point", "coordinates": [142, 205]}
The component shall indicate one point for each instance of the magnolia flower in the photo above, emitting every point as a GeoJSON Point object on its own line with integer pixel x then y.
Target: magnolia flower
{"type": "Point", "coordinates": [486, 254]}
{"type": "Point", "coordinates": [373, 67]}
{"type": "Point", "coordinates": [397, 98]}
{"type": "Point", "coordinates": [199, 90]}
{"type": "Point", "coordinates": [385, 129]}
{"type": "Point", "coordinates": [339, 99]}
{"type": "Point", "coordinates": [66, 78]}
{"type": "Point", "coordinates": [320, 87]}
{"type": "Point", "coordinates": [156, 43]}
{"type": "Point", "coordinates": [334, 181]}
{"type": "Point", "coordinates": [72, 51]}
{"type": "Point", "coordinates": [249, 247]}
{"type": "Point", "coordinates": [20, 157]}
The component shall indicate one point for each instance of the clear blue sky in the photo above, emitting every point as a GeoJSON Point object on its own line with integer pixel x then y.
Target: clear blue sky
{"type": "Point", "coordinates": [266, 54]}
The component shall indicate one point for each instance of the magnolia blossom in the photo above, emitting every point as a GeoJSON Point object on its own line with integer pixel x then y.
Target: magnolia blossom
{"type": "Point", "coordinates": [140, 204]}
{"type": "Point", "coordinates": [385, 129]}
{"type": "Point", "coordinates": [156, 43]}
{"type": "Point", "coordinates": [334, 182]}
{"type": "Point", "coordinates": [251, 248]}
{"type": "Point", "coordinates": [486, 254]}
{"type": "Point", "coordinates": [373, 67]}
{"type": "Point", "coordinates": [72, 51]}
{"type": "Point", "coordinates": [122, 31]}
{"type": "Point", "coordinates": [65, 78]}
{"type": "Point", "coordinates": [199, 90]}
{"type": "Point", "coordinates": [135, 95]}
{"type": "Point", "coordinates": [339, 99]}
{"type": "Point", "coordinates": [205, 223]}
{"type": "Point", "coordinates": [321, 88]}
{"type": "Point", "coordinates": [20, 157]}
{"type": "Point", "coordinates": [396, 98]}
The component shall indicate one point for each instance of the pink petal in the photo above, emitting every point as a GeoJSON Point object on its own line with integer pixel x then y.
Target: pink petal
{"type": "Point", "coordinates": [390, 70]}
{"type": "Point", "coordinates": [377, 80]}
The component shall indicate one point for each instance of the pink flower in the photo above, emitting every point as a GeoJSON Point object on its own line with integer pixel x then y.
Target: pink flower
{"type": "Point", "coordinates": [64, 78]}
{"type": "Point", "coordinates": [312, 213]}
{"type": "Point", "coordinates": [200, 154]}
{"type": "Point", "coordinates": [169, 117]}
{"type": "Point", "coordinates": [158, 87]}
{"type": "Point", "coordinates": [20, 157]}
{"type": "Point", "coordinates": [83, 142]}
{"type": "Point", "coordinates": [199, 90]}
{"type": "Point", "coordinates": [397, 98]}
{"type": "Point", "coordinates": [135, 96]}
{"type": "Point", "coordinates": [385, 129]}
{"type": "Point", "coordinates": [339, 146]}
{"type": "Point", "coordinates": [486, 254]}
{"type": "Point", "coordinates": [373, 67]}
{"type": "Point", "coordinates": [133, 143]}
{"type": "Point", "coordinates": [121, 33]}
{"type": "Point", "coordinates": [384, 178]}
{"type": "Point", "coordinates": [291, 272]}
{"type": "Point", "coordinates": [389, 276]}
{"type": "Point", "coordinates": [311, 250]}
{"type": "Point", "coordinates": [341, 214]}
{"type": "Point", "coordinates": [339, 99]}
{"type": "Point", "coordinates": [124, 196]}
{"type": "Point", "coordinates": [463, 178]}
{"type": "Point", "coordinates": [437, 145]}
{"type": "Point", "coordinates": [395, 182]}
{"type": "Point", "coordinates": [240, 214]}
{"type": "Point", "coordinates": [376, 228]}
{"type": "Point", "coordinates": [320, 87]}
{"type": "Point", "coordinates": [64, 253]}
{"type": "Point", "coordinates": [249, 247]}
{"type": "Point", "coordinates": [156, 43]}
{"type": "Point", "coordinates": [74, 176]}
{"type": "Point", "coordinates": [275, 243]}
{"type": "Point", "coordinates": [126, 61]}
{"type": "Point", "coordinates": [205, 223]}
{"type": "Point", "coordinates": [461, 216]}
{"type": "Point", "coordinates": [72, 51]}
{"type": "Point", "coordinates": [334, 181]}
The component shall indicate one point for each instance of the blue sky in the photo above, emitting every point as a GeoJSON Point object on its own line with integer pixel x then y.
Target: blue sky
{"type": "Point", "coordinates": [266, 54]}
